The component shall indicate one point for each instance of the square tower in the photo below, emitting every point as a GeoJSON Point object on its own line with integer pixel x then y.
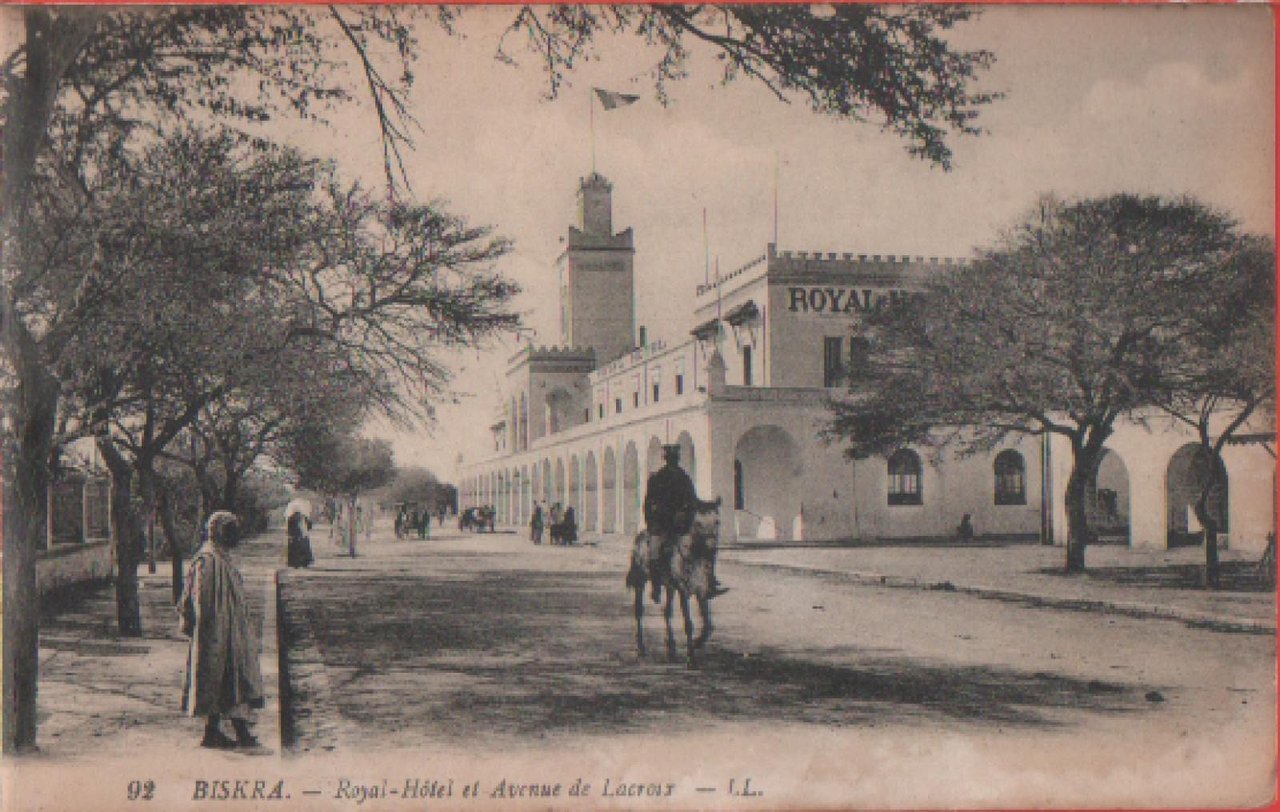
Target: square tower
{"type": "Point", "coordinates": [597, 277]}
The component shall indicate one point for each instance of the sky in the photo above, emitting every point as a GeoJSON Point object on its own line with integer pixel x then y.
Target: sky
{"type": "Point", "coordinates": [1167, 100]}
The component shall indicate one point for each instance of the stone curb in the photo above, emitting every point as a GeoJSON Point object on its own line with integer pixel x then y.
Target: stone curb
{"type": "Point", "coordinates": [1189, 617]}
{"type": "Point", "coordinates": [304, 682]}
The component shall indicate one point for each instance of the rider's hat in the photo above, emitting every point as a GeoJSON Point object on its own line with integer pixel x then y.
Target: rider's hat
{"type": "Point", "coordinates": [671, 451]}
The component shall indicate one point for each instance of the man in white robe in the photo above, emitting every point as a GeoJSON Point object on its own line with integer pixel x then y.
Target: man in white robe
{"type": "Point", "coordinates": [223, 676]}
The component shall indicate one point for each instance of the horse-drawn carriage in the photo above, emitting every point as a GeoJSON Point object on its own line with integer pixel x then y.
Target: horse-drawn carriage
{"type": "Point", "coordinates": [478, 519]}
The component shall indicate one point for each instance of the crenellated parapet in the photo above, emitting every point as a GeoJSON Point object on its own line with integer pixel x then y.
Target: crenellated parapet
{"type": "Point", "coordinates": [900, 269]}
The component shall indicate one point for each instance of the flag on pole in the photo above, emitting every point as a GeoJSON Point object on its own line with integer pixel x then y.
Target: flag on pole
{"type": "Point", "coordinates": [609, 100]}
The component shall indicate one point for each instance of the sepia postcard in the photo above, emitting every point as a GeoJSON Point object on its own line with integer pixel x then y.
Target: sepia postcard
{"type": "Point", "coordinates": [755, 407]}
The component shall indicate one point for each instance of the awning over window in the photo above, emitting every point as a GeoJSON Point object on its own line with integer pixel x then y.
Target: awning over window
{"type": "Point", "coordinates": [706, 330]}
{"type": "Point", "coordinates": [743, 313]}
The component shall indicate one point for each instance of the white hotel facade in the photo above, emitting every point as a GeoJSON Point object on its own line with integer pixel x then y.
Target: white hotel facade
{"type": "Point", "coordinates": [744, 392]}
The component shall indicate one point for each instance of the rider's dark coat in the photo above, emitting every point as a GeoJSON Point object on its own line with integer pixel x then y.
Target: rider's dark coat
{"type": "Point", "coordinates": [669, 500]}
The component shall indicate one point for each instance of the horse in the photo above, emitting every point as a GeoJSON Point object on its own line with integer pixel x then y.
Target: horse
{"type": "Point", "coordinates": [688, 573]}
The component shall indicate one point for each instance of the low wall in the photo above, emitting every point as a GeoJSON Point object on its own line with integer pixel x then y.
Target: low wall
{"type": "Point", "coordinates": [68, 564]}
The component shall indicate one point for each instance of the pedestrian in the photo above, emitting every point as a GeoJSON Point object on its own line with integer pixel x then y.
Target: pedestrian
{"type": "Point", "coordinates": [298, 545]}
{"type": "Point", "coordinates": [223, 676]}
{"type": "Point", "coordinates": [535, 525]}
{"type": "Point", "coordinates": [965, 531]}
{"type": "Point", "coordinates": [424, 526]}
{"type": "Point", "coordinates": [569, 527]}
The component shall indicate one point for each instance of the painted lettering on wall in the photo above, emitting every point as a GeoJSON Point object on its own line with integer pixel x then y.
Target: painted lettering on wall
{"type": "Point", "coordinates": [840, 300]}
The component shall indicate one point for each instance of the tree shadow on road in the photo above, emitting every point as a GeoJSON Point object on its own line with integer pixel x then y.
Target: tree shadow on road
{"type": "Point", "coordinates": [1235, 576]}
{"type": "Point", "coordinates": [532, 654]}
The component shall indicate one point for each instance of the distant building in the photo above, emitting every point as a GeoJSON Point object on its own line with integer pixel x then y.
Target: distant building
{"type": "Point", "coordinates": [743, 393]}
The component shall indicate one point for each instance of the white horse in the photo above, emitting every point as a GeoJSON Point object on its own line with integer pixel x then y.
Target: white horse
{"type": "Point", "coordinates": [687, 573]}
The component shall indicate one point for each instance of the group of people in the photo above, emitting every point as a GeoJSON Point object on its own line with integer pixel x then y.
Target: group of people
{"type": "Point", "coordinates": [411, 520]}
{"type": "Point", "coordinates": [480, 519]}
{"type": "Point", "coordinates": [562, 527]}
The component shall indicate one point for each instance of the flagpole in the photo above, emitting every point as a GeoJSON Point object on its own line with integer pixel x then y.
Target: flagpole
{"type": "Point", "coordinates": [706, 250]}
{"type": "Point", "coordinates": [591, 105]}
{"type": "Point", "coordinates": [777, 171]}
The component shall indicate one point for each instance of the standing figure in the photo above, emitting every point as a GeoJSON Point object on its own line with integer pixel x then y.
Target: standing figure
{"type": "Point", "coordinates": [569, 527]}
{"type": "Point", "coordinates": [424, 524]}
{"type": "Point", "coordinates": [223, 677]}
{"type": "Point", "coordinates": [298, 545]}
{"type": "Point", "coordinates": [554, 519]}
{"type": "Point", "coordinates": [669, 500]}
{"type": "Point", "coordinates": [535, 525]}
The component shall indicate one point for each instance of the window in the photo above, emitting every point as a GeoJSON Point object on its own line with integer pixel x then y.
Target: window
{"type": "Point", "coordinates": [739, 489]}
{"type": "Point", "coordinates": [832, 363]}
{"type": "Point", "coordinates": [617, 405]}
{"type": "Point", "coordinates": [600, 410]}
{"type": "Point", "coordinates": [1011, 479]}
{"type": "Point", "coordinates": [679, 383]}
{"type": "Point", "coordinates": [635, 399]}
{"type": "Point", "coordinates": [746, 366]}
{"type": "Point", "coordinates": [586, 415]}
{"type": "Point", "coordinates": [655, 393]}
{"type": "Point", "coordinates": [904, 478]}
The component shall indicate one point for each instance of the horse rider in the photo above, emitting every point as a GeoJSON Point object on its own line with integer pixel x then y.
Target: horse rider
{"type": "Point", "coordinates": [669, 502]}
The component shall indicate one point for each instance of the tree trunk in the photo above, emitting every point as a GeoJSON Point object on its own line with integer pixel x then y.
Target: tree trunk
{"type": "Point", "coordinates": [26, 483]}
{"type": "Point", "coordinates": [127, 535]}
{"type": "Point", "coordinates": [169, 525]}
{"type": "Point", "coordinates": [1085, 457]}
{"type": "Point", "coordinates": [1212, 566]}
{"type": "Point", "coordinates": [1077, 522]}
{"type": "Point", "coordinates": [33, 407]}
{"type": "Point", "coordinates": [230, 490]}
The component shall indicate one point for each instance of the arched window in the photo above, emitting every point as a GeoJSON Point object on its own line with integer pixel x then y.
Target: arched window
{"type": "Point", "coordinates": [1011, 478]}
{"type": "Point", "coordinates": [905, 479]}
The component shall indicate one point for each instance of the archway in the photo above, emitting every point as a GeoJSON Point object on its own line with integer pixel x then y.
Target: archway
{"type": "Point", "coordinates": [653, 459]}
{"type": "Point", "coordinates": [526, 495]}
{"type": "Point", "coordinates": [687, 459]}
{"type": "Point", "coordinates": [558, 493]}
{"type": "Point", "coordinates": [1185, 478]}
{"type": "Point", "coordinates": [609, 492]}
{"type": "Point", "coordinates": [590, 497]}
{"type": "Point", "coordinates": [535, 486]}
{"type": "Point", "coordinates": [630, 489]}
{"type": "Point", "coordinates": [575, 488]}
{"type": "Point", "coordinates": [1106, 501]}
{"type": "Point", "coordinates": [506, 497]}
{"type": "Point", "coordinates": [767, 478]}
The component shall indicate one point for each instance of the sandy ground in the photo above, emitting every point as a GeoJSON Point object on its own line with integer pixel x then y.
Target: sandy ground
{"type": "Point", "coordinates": [488, 644]}
{"type": "Point", "coordinates": [483, 663]}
